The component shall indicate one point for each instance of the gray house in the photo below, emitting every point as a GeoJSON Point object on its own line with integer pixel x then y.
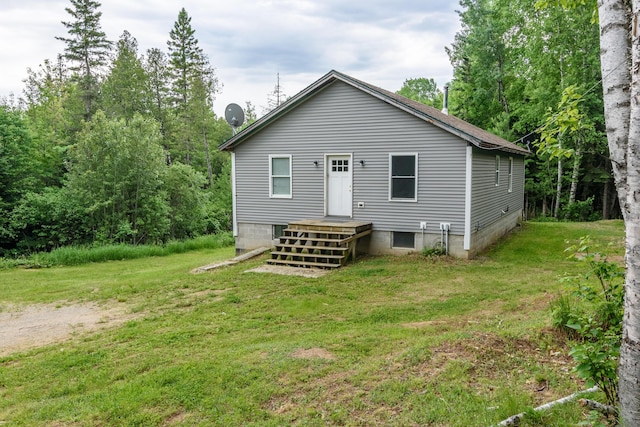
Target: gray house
{"type": "Point", "coordinates": [399, 174]}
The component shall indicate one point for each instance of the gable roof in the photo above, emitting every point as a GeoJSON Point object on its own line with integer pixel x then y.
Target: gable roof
{"type": "Point", "coordinates": [466, 131]}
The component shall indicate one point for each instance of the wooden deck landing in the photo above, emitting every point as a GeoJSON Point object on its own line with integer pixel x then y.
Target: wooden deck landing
{"type": "Point", "coordinates": [324, 243]}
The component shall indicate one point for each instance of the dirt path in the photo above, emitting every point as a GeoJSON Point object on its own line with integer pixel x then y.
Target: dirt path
{"type": "Point", "coordinates": [26, 327]}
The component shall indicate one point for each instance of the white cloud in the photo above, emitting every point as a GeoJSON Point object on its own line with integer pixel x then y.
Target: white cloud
{"type": "Point", "coordinates": [250, 41]}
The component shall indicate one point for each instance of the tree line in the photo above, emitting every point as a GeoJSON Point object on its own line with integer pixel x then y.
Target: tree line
{"type": "Point", "coordinates": [515, 64]}
{"type": "Point", "coordinates": [111, 145]}
{"type": "Point", "coordinates": [526, 73]}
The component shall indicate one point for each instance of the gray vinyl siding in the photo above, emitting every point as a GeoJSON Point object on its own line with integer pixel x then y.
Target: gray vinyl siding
{"type": "Point", "coordinates": [344, 120]}
{"type": "Point", "coordinates": [488, 200]}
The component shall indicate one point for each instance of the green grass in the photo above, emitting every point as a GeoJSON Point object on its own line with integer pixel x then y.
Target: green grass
{"type": "Point", "coordinates": [413, 340]}
{"type": "Point", "coordinates": [77, 255]}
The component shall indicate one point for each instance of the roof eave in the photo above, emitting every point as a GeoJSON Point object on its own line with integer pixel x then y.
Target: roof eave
{"type": "Point", "coordinates": [272, 115]}
{"type": "Point", "coordinates": [434, 121]}
{"type": "Point", "coordinates": [332, 76]}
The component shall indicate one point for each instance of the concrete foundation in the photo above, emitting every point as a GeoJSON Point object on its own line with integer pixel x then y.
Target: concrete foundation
{"type": "Point", "coordinates": [486, 236]}
{"type": "Point", "coordinates": [379, 242]}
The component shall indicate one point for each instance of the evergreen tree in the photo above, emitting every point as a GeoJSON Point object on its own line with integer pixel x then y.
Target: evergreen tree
{"type": "Point", "coordinates": [125, 90]}
{"type": "Point", "coordinates": [185, 57]}
{"type": "Point", "coordinates": [87, 47]}
{"type": "Point", "coordinates": [194, 86]}
{"type": "Point", "coordinates": [158, 79]}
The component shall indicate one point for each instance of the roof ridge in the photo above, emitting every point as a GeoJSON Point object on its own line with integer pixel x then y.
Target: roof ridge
{"type": "Point", "coordinates": [465, 130]}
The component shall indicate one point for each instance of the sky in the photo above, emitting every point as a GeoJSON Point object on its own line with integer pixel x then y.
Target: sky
{"type": "Point", "coordinates": [251, 42]}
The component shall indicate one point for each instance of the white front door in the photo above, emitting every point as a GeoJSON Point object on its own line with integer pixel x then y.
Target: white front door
{"type": "Point", "coordinates": [339, 200]}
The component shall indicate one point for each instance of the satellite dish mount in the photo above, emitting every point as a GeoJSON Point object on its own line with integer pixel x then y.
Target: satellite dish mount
{"type": "Point", "coordinates": [234, 116]}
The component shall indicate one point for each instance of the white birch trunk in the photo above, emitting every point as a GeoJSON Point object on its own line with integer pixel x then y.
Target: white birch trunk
{"type": "Point", "coordinates": [622, 115]}
{"type": "Point", "coordinates": [629, 372]}
{"type": "Point", "coordinates": [577, 159]}
{"type": "Point", "coordinates": [616, 72]}
{"type": "Point", "coordinates": [556, 208]}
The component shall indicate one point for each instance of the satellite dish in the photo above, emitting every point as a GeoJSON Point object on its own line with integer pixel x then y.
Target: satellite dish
{"type": "Point", "coordinates": [234, 115]}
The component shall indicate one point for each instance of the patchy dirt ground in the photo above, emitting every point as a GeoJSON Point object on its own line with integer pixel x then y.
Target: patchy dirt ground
{"type": "Point", "coordinates": [290, 271]}
{"type": "Point", "coordinates": [26, 327]}
{"type": "Point", "coordinates": [313, 353]}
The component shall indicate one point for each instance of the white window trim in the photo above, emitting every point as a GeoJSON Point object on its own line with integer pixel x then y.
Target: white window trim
{"type": "Point", "coordinates": [497, 172]}
{"type": "Point", "coordinates": [415, 198]}
{"type": "Point", "coordinates": [510, 174]}
{"type": "Point", "coordinates": [271, 176]}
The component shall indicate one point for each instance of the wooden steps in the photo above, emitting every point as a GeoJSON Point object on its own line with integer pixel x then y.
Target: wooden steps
{"type": "Point", "coordinates": [318, 243]}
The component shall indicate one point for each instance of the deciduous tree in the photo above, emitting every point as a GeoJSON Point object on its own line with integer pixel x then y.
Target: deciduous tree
{"type": "Point", "coordinates": [117, 172]}
{"type": "Point", "coordinates": [423, 90]}
{"type": "Point", "coordinates": [620, 59]}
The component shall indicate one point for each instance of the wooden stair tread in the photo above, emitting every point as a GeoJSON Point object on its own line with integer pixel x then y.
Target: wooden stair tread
{"type": "Point", "coordinates": [313, 239]}
{"type": "Point", "coordinates": [299, 230]}
{"type": "Point", "coordinates": [316, 243]}
{"type": "Point", "coordinates": [302, 263]}
{"type": "Point", "coordinates": [306, 255]}
{"type": "Point", "coordinates": [309, 246]}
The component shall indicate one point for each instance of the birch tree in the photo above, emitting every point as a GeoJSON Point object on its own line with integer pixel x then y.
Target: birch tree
{"type": "Point", "coordinates": [620, 59]}
{"type": "Point", "coordinates": [620, 67]}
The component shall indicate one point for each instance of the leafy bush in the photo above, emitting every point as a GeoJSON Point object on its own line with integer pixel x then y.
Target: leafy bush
{"type": "Point", "coordinates": [47, 220]}
{"type": "Point", "coordinates": [580, 211]}
{"type": "Point", "coordinates": [595, 319]}
{"type": "Point", "coordinates": [437, 250]}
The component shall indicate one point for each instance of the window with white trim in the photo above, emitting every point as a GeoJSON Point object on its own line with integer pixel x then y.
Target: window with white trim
{"type": "Point", "coordinates": [510, 174]}
{"type": "Point", "coordinates": [280, 176]}
{"type": "Point", "coordinates": [403, 177]}
{"type": "Point", "coordinates": [497, 170]}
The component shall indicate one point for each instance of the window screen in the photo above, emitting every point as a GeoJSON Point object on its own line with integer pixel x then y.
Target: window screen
{"type": "Point", "coordinates": [403, 176]}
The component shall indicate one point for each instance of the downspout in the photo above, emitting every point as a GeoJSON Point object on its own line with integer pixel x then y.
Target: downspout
{"type": "Point", "coordinates": [467, 199]}
{"type": "Point", "coordinates": [234, 194]}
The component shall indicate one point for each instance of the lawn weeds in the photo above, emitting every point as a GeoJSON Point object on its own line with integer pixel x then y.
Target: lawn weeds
{"type": "Point", "coordinates": [382, 341]}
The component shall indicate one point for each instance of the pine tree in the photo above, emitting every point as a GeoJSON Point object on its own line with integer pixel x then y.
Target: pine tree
{"type": "Point", "coordinates": [125, 91]}
{"type": "Point", "coordinates": [185, 57]}
{"type": "Point", "coordinates": [157, 70]}
{"type": "Point", "coordinates": [194, 85]}
{"type": "Point", "coordinates": [87, 48]}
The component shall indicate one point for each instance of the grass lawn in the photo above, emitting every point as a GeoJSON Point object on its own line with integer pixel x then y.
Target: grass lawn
{"type": "Point", "coordinates": [383, 341]}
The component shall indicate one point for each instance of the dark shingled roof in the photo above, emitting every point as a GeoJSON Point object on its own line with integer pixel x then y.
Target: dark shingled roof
{"type": "Point", "coordinates": [473, 134]}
